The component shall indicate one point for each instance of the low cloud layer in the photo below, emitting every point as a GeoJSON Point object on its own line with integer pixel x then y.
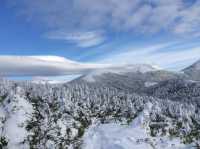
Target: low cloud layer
{"type": "Point", "coordinates": [43, 66]}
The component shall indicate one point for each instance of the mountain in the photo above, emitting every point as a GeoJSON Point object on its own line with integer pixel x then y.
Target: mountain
{"type": "Point", "coordinates": [120, 108]}
{"type": "Point", "coordinates": [193, 71]}
{"type": "Point", "coordinates": [136, 68]}
{"type": "Point", "coordinates": [135, 78]}
{"type": "Point", "coordinates": [176, 90]}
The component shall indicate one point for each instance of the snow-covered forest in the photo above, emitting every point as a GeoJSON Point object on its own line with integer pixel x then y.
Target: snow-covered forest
{"type": "Point", "coordinates": [154, 109]}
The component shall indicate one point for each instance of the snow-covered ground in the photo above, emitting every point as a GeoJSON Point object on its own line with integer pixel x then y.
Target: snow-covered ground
{"type": "Point", "coordinates": [115, 136]}
{"type": "Point", "coordinates": [17, 112]}
{"type": "Point", "coordinates": [134, 136]}
{"type": "Point", "coordinates": [148, 84]}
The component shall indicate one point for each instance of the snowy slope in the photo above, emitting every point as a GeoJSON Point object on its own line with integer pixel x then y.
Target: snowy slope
{"type": "Point", "coordinates": [193, 71]}
{"type": "Point", "coordinates": [115, 136]}
{"type": "Point", "coordinates": [136, 135]}
{"type": "Point", "coordinates": [16, 111]}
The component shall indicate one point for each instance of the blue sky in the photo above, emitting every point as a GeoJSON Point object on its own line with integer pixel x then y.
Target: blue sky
{"type": "Point", "coordinates": [158, 32]}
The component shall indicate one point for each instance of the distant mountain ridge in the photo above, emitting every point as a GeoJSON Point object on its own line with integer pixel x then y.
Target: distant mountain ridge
{"type": "Point", "coordinates": [123, 69]}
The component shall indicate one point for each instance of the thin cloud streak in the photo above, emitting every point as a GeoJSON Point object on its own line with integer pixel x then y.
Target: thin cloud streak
{"type": "Point", "coordinates": [154, 55]}
{"type": "Point", "coordinates": [80, 39]}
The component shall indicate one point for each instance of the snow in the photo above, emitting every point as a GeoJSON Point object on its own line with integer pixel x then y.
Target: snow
{"type": "Point", "coordinates": [19, 110]}
{"type": "Point", "coordinates": [142, 68]}
{"type": "Point", "coordinates": [115, 136]}
{"type": "Point", "coordinates": [149, 84]}
{"type": "Point", "coordinates": [133, 136]}
{"type": "Point", "coordinates": [49, 81]}
{"type": "Point", "coordinates": [193, 67]}
{"type": "Point", "coordinates": [2, 118]}
{"type": "Point", "coordinates": [197, 65]}
{"type": "Point", "coordinates": [75, 98]}
{"type": "Point", "coordinates": [54, 80]}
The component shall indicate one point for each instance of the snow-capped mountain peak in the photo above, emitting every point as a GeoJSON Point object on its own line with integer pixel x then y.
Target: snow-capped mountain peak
{"type": "Point", "coordinates": [122, 69]}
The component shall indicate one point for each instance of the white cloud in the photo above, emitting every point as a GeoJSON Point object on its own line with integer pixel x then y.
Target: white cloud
{"type": "Point", "coordinates": [189, 21]}
{"type": "Point", "coordinates": [43, 66]}
{"type": "Point", "coordinates": [81, 39]}
{"type": "Point", "coordinates": [143, 16]}
{"type": "Point", "coordinates": [157, 55]}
